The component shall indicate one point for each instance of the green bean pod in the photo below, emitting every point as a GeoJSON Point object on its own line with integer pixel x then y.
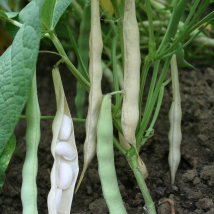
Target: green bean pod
{"type": "Point", "coordinates": [105, 156]}
{"type": "Point", "coordinates": [175, 116]}
{"type": "Point", "coordinates": [30, 167]}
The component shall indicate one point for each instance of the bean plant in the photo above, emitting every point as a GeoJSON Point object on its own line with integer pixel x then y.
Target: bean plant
{"type": "Point", "coordinates": [121, 41]}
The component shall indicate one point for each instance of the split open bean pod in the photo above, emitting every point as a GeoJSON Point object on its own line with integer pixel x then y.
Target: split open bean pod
{"type": "Point", "coordinates": [63, 148]}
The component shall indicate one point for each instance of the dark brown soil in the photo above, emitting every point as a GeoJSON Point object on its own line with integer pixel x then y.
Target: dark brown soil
{"type": "Point", "coordinates": [194, 185]}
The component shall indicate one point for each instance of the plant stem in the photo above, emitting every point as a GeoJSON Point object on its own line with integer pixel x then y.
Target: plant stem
{"type": "Point", "coordinates": [133, 160]}
{"type": "Point", "coordinates": [172, 27]}
{"type": "Point", "coordinates": [114, 65]}
{"type": "Point", "coordinates": [71, 67]}
{"type": "Point", "coordinates": [152, 44]}
{"type": "Point", "coordinates": [23, 117]}
{"type": "Point", "coordinates": [120, 26]}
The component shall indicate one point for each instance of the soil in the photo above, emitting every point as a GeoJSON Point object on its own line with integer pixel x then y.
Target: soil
{"type": "Point", "coordinates": [193, 190]}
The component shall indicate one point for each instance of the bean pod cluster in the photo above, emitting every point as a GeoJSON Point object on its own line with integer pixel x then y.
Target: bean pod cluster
{"type": "Point", "coordinates": [65, 168]}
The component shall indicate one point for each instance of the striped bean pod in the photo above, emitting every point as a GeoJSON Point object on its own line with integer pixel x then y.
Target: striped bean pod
{"type": "Point", "coordinates": [130, 109]}
{"type": "Point", "coordinates": [105, 156]}
{"type": "Point", "coordinates": [175, 115]}
{"type": "Point", "coordinates": [30, 167]}
{"type": "Point", "coordinates": [95, 95]}
{"type": "Point", "coordinates": [63, 148]}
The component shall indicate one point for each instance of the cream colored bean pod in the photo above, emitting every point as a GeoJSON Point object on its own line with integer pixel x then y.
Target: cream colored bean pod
{"type": "Point", "coordinates": [63, 148]}
{"type": "Point", "coordinates": [175, 116]}
{"type": "Point", "coordinates": [130, 109]}
{"type": "Point", "coordinates": [95, 94]}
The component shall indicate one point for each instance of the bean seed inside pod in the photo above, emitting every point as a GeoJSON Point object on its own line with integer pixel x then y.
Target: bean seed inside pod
{"type": "Point", "coordinates": [58, 197]}
{"type": "Point", "coordinates": [65, 175]}
{"type": "Point", "coordinates": [66, 128]}
{"type": "Point", "coordinates": [65, 150]}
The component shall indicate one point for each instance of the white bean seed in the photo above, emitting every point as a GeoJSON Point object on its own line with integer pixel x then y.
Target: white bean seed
{"type": "Point", "coordinates": [58, 197]}
{"type": "Point", "coordinates": [65, 175]}
{"type": "Point", "coordinates": [66, 128]}
{"type": "Point", "coordinates": [65, 150]}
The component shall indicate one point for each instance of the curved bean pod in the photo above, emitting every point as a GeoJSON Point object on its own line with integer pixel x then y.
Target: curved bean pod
{"type": "Point", "coordinates": [105, 156]}
{"type": "Point", "coordinates": [175, 115]}
{"type": "Point", "coordinates": [65, 168]}
{"type": "Point", "coordinates": [30, 167]}
{"type": "Point", "coordinates": [95, 95]}
{"type": "Point", "coordinates": [130, 109]}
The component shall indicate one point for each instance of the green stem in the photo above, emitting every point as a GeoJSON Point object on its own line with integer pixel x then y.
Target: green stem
{"type": "Point", "coordinates": [144, 73]}
{"type": "Point", "coordinates": [120, 26]}
{"type": "Point", "coordinates": [152, 86]}
{"type": "Point", "coordinates": [133, 161]}
{"type": "Point", "coordinates": [152, 44]}
{"type": "Point", "coordinates": [148, 133]}
{"type": "Point", "coordinates": [77, 52]}
{"type": "Point", "coordinates": [71, 67]}
{"type": "Point", "coordinates": [77, 8]}
{"type": "Point", "coordinates": [23, 117]}
{"type": "Point", "coordinates": [119, 146]}
{"type": "Point", "coordinates": [172, 27]}
{"type": "Point", "coordinates": [114, 65]}
{"type": "Point", "coordinates": [147, 116]}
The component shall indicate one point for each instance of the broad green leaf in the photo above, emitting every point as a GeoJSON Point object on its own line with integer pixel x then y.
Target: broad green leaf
{"type": "Point", "coordinates": [22, 16]}
{"type": "Point", "coordinates": [52, 10]}
{"type": "Point", "coordinates": [5, 158]}
{"type": "Point", "coordinates": [17, 67]}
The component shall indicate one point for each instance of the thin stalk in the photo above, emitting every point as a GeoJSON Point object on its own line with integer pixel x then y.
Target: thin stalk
{"type": "Point", "coordinates": [23, 117]}
{"type": "Point", "coordinates": [77, 8]}
{"type": "Point", "coordinates": [143, 76]}
{"type": "Point", "coordinates": [150, 129]}
{"type": "Point", "coordinates": [185, 34]}
{"type": "Point", "coordinates": [147, 116]}
{"type": "Point", "coordinates": [120, 26]}
{"type": "Point", "coordinates": [85, 73]}
{"type": "Point", "coordinates": [152, 86]}
{"type": "Point", "coordinates": [114, 66]}
{"type": "Point", "coordinates": [71, 67]}
{"type": "Point", "coordinates": [133, 161]}
{"type": "Point", "coordinates": [173, 26]}
{"type": "Point", "coordinates": [191, 14]}
{"type": "Point", "coordinates": [152, 44]}
{"type": "Point", "coordinates": [119, 146]}
{"type": "Point", "coordinates": [184, 45]}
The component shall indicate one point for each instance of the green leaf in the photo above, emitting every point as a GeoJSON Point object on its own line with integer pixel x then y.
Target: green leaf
{"type": "Point", "coordinates": [5, 5]}
{"type": "Point", "coordinates": [52, 10]}
{"type": "Point", "coordinates": [9, 15]}
{"type": "Point", "coordinates": [22, 16]}
{"type": "Point", "coordinates": [5, 158]}
{"type": "Point", "coordinates": [17, 67]}
{"type": "Point", "coordinates": [2, 14]}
